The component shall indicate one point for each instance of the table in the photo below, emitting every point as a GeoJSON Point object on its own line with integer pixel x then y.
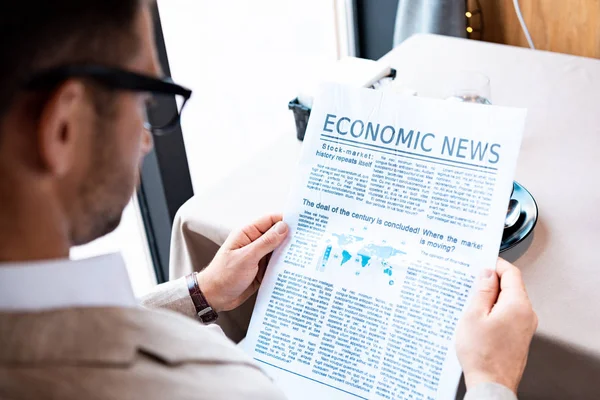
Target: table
{"type": "Point", "coordinates": [558, 164]}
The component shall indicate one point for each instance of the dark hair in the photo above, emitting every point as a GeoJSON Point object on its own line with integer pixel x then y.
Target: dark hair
{"type": "Point", "coordinates": [41, 34]}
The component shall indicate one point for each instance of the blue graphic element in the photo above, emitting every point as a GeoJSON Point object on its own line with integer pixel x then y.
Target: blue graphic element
{"type": "Point", "coordinates": [351, 250]}
{"type": "Point", "coordinates": [345, 257]}
{"type": "Point", "coordinates": [326, 255]}
{"type": "Point", "coordinates": [364, 260]}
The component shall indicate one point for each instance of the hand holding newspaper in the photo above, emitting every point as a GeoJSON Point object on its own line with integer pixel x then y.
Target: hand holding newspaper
{"type": "Point", "coordinates": [397, 205]}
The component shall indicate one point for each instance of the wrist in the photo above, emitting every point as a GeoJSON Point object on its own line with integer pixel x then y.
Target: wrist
{"type": "Point", "coordinates": [209, 292]}
{"type": "Point", "coordinates": [205, 312]}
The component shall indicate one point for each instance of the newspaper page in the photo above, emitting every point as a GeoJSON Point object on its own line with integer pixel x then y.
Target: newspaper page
{"type": "Point", "coordinates": [397, 205]}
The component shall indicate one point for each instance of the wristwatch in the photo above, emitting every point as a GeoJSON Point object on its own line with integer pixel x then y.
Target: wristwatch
{"type": "Point", "coordinates": [205, 312]}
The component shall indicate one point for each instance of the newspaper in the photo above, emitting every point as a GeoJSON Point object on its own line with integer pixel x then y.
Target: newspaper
{"type": "Point", "coordinates": [397, 205]}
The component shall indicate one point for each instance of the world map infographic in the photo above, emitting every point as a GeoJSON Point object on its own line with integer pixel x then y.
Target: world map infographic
{"type": "Point", "coordinates": [353, 254]}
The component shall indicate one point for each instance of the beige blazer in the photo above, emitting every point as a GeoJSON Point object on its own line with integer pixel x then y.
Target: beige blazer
{"type": "Point", "coordinates": [121, 353]}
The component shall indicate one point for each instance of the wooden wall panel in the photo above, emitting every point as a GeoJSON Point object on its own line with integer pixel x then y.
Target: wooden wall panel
{"type": "Point", "coordinates": [564, 26]}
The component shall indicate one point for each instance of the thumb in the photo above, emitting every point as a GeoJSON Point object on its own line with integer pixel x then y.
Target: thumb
{"type": "Point", "coordinates": [486, 292]}
{"type": "Point", "coordinates": [269, 240]}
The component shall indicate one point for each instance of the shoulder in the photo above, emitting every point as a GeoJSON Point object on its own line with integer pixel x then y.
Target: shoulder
{"type": "Point", "coordinates": [126, 353]}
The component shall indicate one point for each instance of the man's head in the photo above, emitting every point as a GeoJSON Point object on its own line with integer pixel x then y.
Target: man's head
{"type": "Point", "coordinates": [78, 144]}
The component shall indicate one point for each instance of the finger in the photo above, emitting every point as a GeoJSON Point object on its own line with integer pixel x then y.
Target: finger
{"type": "Point", "coordinates": [269, 241]}
{"type": "Point", "coordinates": [512, 287]}
{"type": "Point", "coordinates": [486, 292]}
{"type": "Point", "coordinates": [510, 277]}
{"type": "Point", "coordinates": [250, 233]}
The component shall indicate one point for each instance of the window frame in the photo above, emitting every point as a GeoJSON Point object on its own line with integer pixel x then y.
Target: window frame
{"type": "Point", "coordinates": [160, 195]}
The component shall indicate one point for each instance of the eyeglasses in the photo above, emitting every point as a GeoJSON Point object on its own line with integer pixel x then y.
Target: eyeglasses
{"type": "Point", "coordinates": [163, 111]}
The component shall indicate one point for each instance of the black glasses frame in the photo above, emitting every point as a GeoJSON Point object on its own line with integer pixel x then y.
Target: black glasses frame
{"type": "Point", "coordinates": [115, 78]}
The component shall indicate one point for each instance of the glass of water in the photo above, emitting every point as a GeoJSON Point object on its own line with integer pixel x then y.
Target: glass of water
{"type": "Point", "coordinates": [469, 87]}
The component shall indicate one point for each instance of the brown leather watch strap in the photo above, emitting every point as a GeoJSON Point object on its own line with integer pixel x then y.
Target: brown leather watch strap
{"type": "Point", "coordinates": [205, 312]}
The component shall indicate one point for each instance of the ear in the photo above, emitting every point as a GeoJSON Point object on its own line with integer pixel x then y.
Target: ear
{"type": "Point", "coordinates": [62, 123]}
